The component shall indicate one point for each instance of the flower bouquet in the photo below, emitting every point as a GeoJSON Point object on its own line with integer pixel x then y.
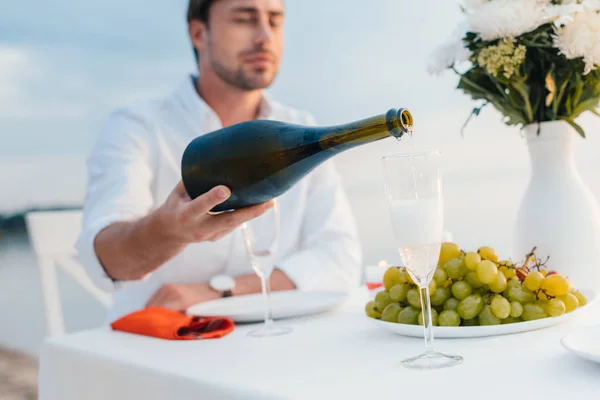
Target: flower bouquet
{"type": "Point", "coordinates": [533, 60]}
{"type": "Point", "coordinates": [538, 63]}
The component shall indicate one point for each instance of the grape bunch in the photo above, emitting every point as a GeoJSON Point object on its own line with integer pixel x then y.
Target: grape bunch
{"type": "Point", "coordinates": [475, 288]}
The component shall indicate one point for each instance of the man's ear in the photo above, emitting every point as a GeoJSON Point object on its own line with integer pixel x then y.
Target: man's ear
{"type": "Point", "coordinates": [198, 32]}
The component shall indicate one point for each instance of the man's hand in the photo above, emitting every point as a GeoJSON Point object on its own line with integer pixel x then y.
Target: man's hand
{"type": "Point", "coordinates": [179, 297]}
{"type": "Point", "coordinates": [190, 220]}
{"type": "Point", "coordinates": [129, 250]}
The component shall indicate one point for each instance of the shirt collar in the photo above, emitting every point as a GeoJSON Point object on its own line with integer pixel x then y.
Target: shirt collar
{"type": "Point", "coordinates": [201, 111]}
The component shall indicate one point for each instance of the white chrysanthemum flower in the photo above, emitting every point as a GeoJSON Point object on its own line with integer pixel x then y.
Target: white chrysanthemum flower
{"type": "Point", "coordinates": [581, 38]}
{"type": "Point", "coordinates": [507, 18]}
{"type": "Point", "coordinates": [451, 52]}
{"type": "Point", "coordinates": [564, 13]}
{"type": "Point", "coordinates": [589, 5]}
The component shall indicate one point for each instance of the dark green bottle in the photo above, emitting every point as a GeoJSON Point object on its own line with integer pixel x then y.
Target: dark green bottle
{"type": "Point", "coordinates": [259, 160]}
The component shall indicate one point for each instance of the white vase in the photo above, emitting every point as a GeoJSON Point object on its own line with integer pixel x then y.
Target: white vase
{"type": "Point", "coordinates": [558, 213]}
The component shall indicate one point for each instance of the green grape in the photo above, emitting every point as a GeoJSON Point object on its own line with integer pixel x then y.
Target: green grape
{"type": "Point", "coordinates": [434, 318]}
{"type": "Point", "coordinates": [413, 297]}
{"type": "Point", "coordinates": [482, 291]}
{"type": "Point", "coordinates": [408, 315]}
{"type": "Point", "coordinates": [432, 287]}
{"type": "Point", "coordinates": [370, 309]}
{"type": "Point", "coordinates": [571, 302]}
{"type": "Point", "coordinates": [471, 322]}
{"type": "Point", "coordinates": [461, 289]}
{"type": "Point", "coordinates": [488, 253]}
{"type": "Point", "coordinates": [391, 277]}
{"type": "Point", "coordinates": [390, 314]}
{"type": "Point", "coordinates": [440, 276]}
{"type": "Point", "coordinates": [508, 273]}
{"type": "Point", "coordinates": [581, 298]}
{"type": "Point", "coordinates": [382, 299]}
{"type": "Point", "coordinates": [403, 276]}
{"type": "Point", "coordinates": [533, 280]}
{"type": "Point", "coordinates": [511, 283]}
{"type": "Point", "coordinates": [555, 308]}
{"type": "Point", "coordinates": [399, 291]}
{"type": "Point", "coordinates": [473, 280]}
{"type": "Point", "coordinates": [456, 268]}
{"type": "Point", "coordinates": [521, 294]}
{"type": "Point", "coordinates": [487, 317]}
{"type": "Point", "coordinates": [449, 318]}
{"type": "Point", "coordinates": [471, 260]}
{"type": "Point", "coordinates": [451, 304]}
{"type": "Point", "coordinates": [516, 309]}
{"type": "Point", "coordinates": [541, 303]}
{"type": "Point", "coordinates": [533, 311]}
{"type": "Point", "coordinates": [487, 271]}
{"type": "Point", "coordinates": [487, 297]}
{"type": "Point", "coordinates": [439, 308]}
{"type": "Point", "coordinates": [470, 306]}
{"type": "Point", "coordinates": [556, 285]}
{"type": "Point", "coordinates": [500, 306]}
{"type": "Point", "coordinates": [440, 296]}
{"type": "Point", "coordinates": [448, 251]}
{"type": "Point", "coordinates": [511, 320]}
{"type": "Point", "coordinates": [499, 284]}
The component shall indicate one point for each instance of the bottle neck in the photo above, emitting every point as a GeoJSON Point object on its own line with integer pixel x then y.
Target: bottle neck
{"type": "Point", "coordinates": [395, 123]}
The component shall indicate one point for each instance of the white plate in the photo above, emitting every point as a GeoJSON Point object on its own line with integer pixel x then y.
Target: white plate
{"type": "Point", "coordinates": [286, 304]}
{"type": "Point", "coordinates": [585, 343]}
{"type": "Point", "coordinates": [480, 331]}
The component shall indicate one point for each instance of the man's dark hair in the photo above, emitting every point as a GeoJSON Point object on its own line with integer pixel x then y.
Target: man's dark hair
{"type": "Point", "coordinates": [198, 10]}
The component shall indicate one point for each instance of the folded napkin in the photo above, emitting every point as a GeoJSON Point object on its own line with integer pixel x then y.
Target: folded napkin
{"type": "Point", "coordinates": [173, 325]}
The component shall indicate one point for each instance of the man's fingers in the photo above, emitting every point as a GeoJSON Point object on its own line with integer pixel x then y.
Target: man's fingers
{"type": "Point", "coordinates": [204, 203]}
{"type": "Point", "coordinates": [231, 220]}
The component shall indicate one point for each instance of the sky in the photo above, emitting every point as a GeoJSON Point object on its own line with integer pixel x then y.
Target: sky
{"type": "Point", "coordinates": [65, 65]}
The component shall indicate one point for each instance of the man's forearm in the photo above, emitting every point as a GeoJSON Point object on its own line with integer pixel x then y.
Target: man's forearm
{"type": "Point", "coordinates": [130, 250]}
{"type": "Point", "coordinates": [247, 284]}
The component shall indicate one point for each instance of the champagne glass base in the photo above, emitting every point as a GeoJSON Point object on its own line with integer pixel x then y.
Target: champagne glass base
{"type": "Point", "coordinates": [270, 331]}
{"type": "Point", "coordinates": [432, 360]}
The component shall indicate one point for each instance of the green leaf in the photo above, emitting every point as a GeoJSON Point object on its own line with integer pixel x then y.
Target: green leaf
{"type": "Point", "coordinates": [561, 93]}
{"type": "Point", "coordinates": [575, 126]}
{"type": "Point", "coordinates": [587, 105]}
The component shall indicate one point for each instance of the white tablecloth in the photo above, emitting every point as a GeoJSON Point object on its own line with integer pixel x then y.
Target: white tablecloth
{"type": "Point", "coordinates": [337, 355]}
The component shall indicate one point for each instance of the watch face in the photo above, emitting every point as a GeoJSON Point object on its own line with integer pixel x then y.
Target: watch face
{"type": "Point", "coordinates": [222, 283]}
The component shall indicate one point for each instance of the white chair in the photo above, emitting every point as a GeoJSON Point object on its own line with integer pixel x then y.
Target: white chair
{"type": "Point", "coordinates": [52, 235]}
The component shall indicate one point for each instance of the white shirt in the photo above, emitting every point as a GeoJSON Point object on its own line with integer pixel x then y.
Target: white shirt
{"type": "Point", "coordinates": [135, 164]}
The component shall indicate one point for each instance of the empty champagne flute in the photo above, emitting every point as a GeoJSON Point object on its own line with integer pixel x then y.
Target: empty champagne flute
{"type": "Point", "coordinates": [413, 184]}
{"type": "Point", "coordinates": [261, 236]}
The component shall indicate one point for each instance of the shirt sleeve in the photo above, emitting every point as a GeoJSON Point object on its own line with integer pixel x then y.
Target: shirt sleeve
{"type": "Point", "coordinates": [330, 254]}
{"type": "Point", "coordinates": [119, 186]}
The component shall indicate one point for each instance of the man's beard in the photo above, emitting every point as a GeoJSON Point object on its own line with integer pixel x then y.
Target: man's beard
{"type": "Point", "coordinates": [240, 79]}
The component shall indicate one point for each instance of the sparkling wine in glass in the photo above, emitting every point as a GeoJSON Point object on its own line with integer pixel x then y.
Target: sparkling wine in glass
{"type": "Point", "coordinates": [413, 184]}
{"type": "Point", "coordinates": [261, 237]}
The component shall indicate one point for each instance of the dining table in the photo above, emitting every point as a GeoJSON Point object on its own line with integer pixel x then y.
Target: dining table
{"type": "Point", "coordinates": [336, 354]}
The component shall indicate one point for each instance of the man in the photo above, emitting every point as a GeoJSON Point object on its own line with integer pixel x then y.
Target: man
{"type": "Point", "coordinates": [160, 248]}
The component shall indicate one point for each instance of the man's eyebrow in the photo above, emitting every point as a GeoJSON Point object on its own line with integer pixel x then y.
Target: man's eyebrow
{"type": "Point", "coordinates": [254, 10]}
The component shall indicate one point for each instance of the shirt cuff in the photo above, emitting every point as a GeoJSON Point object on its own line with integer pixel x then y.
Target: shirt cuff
{"type": "Point", "coordinates": [89, 259]}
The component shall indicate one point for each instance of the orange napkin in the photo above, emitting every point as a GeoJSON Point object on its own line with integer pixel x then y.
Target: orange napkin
{"type": "Point", "coordinates": [173, 325]}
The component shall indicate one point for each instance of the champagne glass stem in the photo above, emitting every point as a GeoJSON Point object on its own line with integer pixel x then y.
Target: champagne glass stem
{"type": "Point", "coordinates": [427, 323]}
{"type": "Point", "coordinates": [266, 289]}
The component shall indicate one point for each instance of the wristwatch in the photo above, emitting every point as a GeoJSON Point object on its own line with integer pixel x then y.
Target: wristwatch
{"type": "Point", "coordinates": [223, 285]}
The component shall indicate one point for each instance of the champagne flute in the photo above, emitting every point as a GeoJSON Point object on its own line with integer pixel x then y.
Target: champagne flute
{"type": "Point", "coordinates": [413, 184]}
{"type": "Point", "coordinates": [261, 237]}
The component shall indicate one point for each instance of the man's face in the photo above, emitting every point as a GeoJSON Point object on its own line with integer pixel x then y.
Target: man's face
{"type": "Point", "coordinates": [243, 42]}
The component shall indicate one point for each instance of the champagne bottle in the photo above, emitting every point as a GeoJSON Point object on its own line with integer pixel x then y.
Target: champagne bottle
{"type": "Point", "coordinates": [261, 159]}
